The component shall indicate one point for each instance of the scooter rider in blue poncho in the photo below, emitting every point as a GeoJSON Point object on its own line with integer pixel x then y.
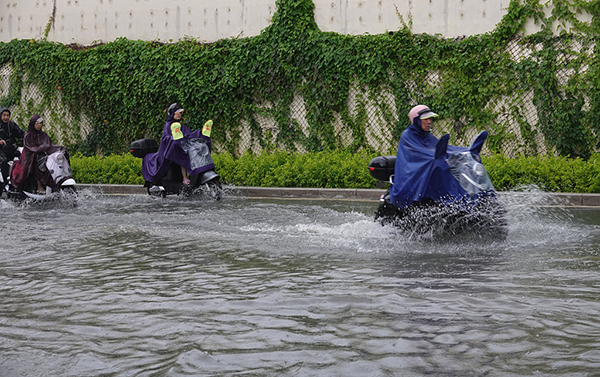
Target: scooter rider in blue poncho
{"type": "Point", "coordinates": [418, 175]}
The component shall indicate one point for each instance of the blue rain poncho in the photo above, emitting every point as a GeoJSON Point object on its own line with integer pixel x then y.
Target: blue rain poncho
{"type": "Point", "coordinates": [422, 170]}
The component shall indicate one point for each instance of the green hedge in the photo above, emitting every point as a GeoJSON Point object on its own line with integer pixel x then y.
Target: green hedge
{"type": "Point", "coordinates": [326, 169]}
{"type": "Point", "coordinates": [343, 169]}
{"type": "Point", "coordinates": [121, 88]}
{"type": "Point", "coordinates": [556, 174]}
{"type": "Point", "coordinates": [113, 169]}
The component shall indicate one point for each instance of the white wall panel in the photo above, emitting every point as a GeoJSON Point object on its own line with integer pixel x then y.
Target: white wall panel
{"type": "Point", "coordinates": [88, 21]}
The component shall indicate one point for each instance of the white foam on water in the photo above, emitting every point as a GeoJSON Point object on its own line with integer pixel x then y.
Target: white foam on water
{"type": "Point", "coordinates": [534, 220]}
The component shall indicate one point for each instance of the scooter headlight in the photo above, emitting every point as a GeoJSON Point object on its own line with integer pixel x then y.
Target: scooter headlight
{"type": "Point", "coordinates": [60, 158]}
{"type": "Point", "coordinates": [479, 170]}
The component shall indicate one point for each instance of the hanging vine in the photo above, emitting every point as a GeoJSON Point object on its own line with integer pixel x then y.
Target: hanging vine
{"type": "Point", "coordinates": [124, 86]}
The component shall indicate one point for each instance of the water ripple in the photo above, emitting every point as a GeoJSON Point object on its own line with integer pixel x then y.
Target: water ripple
{"type": "Point", "coordinates": [133, 286]}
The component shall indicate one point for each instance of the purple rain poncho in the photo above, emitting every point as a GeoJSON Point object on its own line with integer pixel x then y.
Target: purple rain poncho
{"type": "Point", "coordinates": [35, 143]}
{"type": "Point", "coordinates": [156, 165]}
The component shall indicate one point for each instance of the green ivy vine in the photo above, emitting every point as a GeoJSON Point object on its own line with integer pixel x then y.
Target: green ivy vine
{"type": "Point", "coordinates": [124, 86]}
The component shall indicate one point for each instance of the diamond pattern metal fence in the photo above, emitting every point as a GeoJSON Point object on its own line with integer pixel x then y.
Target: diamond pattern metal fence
{"type": "Point", "coordinates": [377, 112]}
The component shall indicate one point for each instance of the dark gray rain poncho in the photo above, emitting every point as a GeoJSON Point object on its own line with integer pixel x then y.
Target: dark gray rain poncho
{"type": "Point", "coordinates": [13, 135]}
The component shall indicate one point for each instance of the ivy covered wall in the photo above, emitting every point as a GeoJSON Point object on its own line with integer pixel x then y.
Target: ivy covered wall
{"type": "Point", "coordinates": [352, 90]}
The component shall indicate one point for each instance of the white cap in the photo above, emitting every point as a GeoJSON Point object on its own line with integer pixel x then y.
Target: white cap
{"type": "Point", "coordinates": [420, 111]}
{"type": "Point", "coordinates": [427, 115]}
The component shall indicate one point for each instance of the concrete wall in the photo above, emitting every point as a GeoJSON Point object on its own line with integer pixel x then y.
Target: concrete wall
{"type": "Point", "coordinates": [449, 18]}
{"type": "Point", "coordinates": [89, 21]}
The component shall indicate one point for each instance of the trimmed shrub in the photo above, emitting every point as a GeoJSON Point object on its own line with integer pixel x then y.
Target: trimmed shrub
{"type": "Point", "coordinates": [550, 173]}
{"type": "Point", "coordinates": [344, 169]}
{"type": "Point", "coordinates": [113, 169]}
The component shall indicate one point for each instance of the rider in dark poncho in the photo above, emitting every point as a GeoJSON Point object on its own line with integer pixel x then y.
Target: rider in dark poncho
{"type": "Point", "coordinates": [175, 148]}
{"type": "Point", "coordinates": [36, 144]}
{"type": "Point", "coordinates": [11, 137]}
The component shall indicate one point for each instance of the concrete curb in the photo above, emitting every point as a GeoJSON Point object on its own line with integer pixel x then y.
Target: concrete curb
{"type": "Point", "coordinates": [579, 200]}
{"type": "Point", "coordinates": [314, 193]}
{"type": "Point", "coordinates": [254, 192]}
{"type": "Point", "coordinates": [562, 199]}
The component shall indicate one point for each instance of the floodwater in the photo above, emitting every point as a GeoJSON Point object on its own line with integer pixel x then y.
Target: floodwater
{"type": "Point", "coordinates": [136, 286]}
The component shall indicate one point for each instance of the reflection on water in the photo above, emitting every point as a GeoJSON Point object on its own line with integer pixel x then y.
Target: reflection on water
{"type": "Point", "coordinates": [145, 287]}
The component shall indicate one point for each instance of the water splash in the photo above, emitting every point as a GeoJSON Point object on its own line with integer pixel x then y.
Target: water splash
{"type": "Point", "coordinates": [537, 218]}
{"type": "Point", "coordinates": [533, 218]}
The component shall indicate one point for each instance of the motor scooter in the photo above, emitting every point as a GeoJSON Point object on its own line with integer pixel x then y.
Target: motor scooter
{"type": "Point", "coordinates": [206, 183]}
{"type": "Point", "coordinates": [477, 210]}
{"type": "Point", "coordinates": [57, 163]}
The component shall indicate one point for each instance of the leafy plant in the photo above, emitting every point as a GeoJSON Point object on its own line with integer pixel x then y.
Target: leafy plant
{"type": "Point", "coordinates": [114, 169]}
{"type": "Point", "coordinates": [123, 87]}
{"type": "Point", "coordinates": [344, 169]}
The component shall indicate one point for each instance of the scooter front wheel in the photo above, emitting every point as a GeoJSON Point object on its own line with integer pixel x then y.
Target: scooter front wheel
{"type": "Point", "coordinates": [214, 190]}
{"type": "Point", "coordinates": [156, 193]}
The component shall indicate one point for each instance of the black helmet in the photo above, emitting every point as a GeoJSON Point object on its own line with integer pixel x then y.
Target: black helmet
{"type": "Point", "coordinates": [174, 107]}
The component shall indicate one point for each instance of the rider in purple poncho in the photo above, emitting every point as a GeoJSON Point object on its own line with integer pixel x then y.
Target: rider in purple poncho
{"type": "Point", "coordinates": [156, 165]}
{"type": "Point", "coordinates": [36, 143]}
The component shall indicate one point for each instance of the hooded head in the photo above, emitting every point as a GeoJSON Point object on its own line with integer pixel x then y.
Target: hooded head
{"type": "Point", "coordinates": [34, 119]}
{"type": "Point", "coordinates": [37, 140]}
{"type": "Point", "coordinates": [420, 112]}
{"type": "Point", "coordinates": [4, 118]}
{"type": "Point", "coordinates": [175, 107]}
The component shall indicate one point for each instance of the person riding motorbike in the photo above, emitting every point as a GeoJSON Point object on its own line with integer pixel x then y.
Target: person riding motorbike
{"type": "Point", "coordinates": [11, 137]}
{"type": "Point", "coordinates": [437, 188]}
{"type": "Point", "coordinates": [37, 146]}
{"type": "Point", "coordinates": [414, 180]}
{"type": "Point", "coordinates": [173, 149]}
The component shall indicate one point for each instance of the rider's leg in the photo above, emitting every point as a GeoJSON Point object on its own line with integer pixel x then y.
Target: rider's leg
{"type": "Point", "coordinates": [186, 180]}
{"type": "Point", "coordinates": [4, 164]}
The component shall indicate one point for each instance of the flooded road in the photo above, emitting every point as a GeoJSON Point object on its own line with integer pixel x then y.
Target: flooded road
{"type": "Point", "coordinates": [134, 286]}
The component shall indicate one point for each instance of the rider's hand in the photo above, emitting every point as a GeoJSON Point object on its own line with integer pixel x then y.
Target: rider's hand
{"type": "Point", "coordinates": [2, 142]}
